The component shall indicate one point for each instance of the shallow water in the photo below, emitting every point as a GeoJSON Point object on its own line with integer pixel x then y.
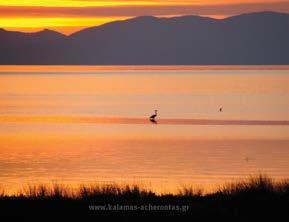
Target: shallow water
{"type": "Point", "coordinates": [79, 124]}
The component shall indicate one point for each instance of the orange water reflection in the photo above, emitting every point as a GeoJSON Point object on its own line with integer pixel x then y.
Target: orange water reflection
{"type": "Point", "coordinates": [89, 124]}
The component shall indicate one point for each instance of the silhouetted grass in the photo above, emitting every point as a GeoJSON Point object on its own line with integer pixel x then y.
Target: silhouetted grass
{"type": "Point", "coordinates": [254, 198]}
{"type": "Point", "coordinates": [253, 185]}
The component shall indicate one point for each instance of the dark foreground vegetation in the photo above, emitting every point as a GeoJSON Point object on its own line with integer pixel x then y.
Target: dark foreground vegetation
{"type": "Point", "coordinates": [255, 199]}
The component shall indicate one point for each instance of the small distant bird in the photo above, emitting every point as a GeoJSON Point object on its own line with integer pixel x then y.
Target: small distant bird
{"type": "Point", "coordinates": [247, 159]}
{"type": "Point", "coordinates": [152, 117]}
{"type": "Point", "coordinates": [221, 109]}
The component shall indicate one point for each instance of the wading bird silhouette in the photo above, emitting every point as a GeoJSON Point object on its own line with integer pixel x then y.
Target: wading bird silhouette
{"type": "Point", "coordinates": [153, 117]}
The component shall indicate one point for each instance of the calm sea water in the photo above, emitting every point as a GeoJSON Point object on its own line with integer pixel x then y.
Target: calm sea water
{"type": "Point", "coordinates": [89, 124]}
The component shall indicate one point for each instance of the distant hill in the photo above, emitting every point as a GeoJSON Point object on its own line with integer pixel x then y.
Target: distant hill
{"type": "Point", "coordinates": [255, 38]}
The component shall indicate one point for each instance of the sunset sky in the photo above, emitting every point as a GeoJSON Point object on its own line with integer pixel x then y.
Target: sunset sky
{"type": "Point", "coordinates": [68, 16]}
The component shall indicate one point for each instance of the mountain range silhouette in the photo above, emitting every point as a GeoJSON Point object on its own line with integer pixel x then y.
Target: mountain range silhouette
{"type": "Point", "coordinates": [247, 39]}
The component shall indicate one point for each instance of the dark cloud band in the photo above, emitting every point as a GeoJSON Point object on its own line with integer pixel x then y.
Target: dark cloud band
{"type": "Point", "coordinates": [114, 11]}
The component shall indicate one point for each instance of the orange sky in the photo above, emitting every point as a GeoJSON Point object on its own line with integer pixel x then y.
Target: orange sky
{"type": "Point", "coordinates": [68, 16]}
